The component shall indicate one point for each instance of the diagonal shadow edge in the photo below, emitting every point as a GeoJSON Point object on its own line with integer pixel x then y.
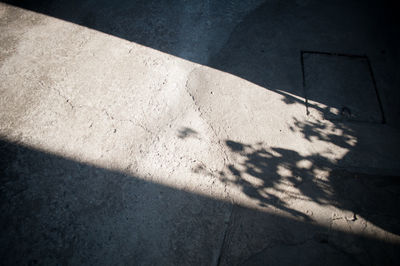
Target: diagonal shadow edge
{"type": "Point", "coordinates": [150, 25]}
{"type": "Point", "coordinates": [59, 210]}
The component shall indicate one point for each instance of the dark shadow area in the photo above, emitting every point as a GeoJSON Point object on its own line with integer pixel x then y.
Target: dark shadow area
{"type": "Point", "coordinates": [186, 132]}
{"type": "Point", "coordinates": [259, 42]}
{"type": "Point", "coordinates": [59, 211]}
{"type": "Point", "coordinates": [372, 197]}
{"type": "Point", "coordinates": [287, 242]}
{"type": "Point", "coordinates": [275, 177]}
{"type": "Point", "coordinates": [284, 174]}
{"type": "Point", "coordinates": [284, 179]}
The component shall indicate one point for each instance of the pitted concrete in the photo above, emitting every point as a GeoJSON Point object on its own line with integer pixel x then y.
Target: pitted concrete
{"type": "Point", "coordinates": [152, 133]}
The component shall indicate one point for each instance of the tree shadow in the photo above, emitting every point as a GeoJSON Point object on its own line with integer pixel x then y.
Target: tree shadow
{"type": "Point", "coordinates": [186, 132]}
{"type": "Point", "coordinates": [275, 177]}
{"type": "Point", "coordinates": [59, 211]}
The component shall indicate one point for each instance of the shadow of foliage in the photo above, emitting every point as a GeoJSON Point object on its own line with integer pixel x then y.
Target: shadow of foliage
{"type": "Point", "coordinates": [186, 132]}
{"type": "Point", "coordinates": [275, 176]}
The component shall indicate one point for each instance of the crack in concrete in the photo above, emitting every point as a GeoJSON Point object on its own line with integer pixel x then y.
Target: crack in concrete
{"type": "Point", "coordinates": [226, 161]}
{"type": "Point", "coordinates": [218, 142]}
{"type": "Point", "coordinates": [276, 244]}
{"type": "Point", "coordinates": [228, 224]}
{"type": "Point", "coordinates": [67, 100]}
{"type": "Point", "coordinates": [108, 114]}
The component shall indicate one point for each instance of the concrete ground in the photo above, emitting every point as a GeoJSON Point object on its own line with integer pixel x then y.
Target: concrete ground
{"type": "Point", "coordinates": [199, 132]}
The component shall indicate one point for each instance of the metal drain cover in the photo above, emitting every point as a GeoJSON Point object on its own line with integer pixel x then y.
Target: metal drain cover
{"type": "Point", "coordinates": [340, 87]}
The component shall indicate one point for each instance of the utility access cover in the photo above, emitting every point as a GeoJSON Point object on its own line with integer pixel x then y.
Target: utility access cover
{"type": "Point", "coordinates": [340, 87]}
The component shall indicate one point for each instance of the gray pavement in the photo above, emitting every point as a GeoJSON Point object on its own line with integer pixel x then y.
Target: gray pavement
{"type": "Point", "coordinates": [199, 132]}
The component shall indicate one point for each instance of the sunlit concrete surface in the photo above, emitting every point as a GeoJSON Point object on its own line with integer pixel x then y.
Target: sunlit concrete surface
{"type": "Point", "coordinates": [210, 133]}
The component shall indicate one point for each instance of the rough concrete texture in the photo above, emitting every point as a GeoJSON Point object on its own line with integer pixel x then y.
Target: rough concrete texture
{"type": "Point", "coordinates": [198, 132]}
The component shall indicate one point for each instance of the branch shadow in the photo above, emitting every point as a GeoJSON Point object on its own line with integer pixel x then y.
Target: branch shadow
{"type": "Point", "coordinates": [186, 132]}
{"type": "Point", "coordinates": [304, 187]}
{"type": "Point", "coordinates": [276, 177]}
{"type": "Point", "coordinates": [59, 211]}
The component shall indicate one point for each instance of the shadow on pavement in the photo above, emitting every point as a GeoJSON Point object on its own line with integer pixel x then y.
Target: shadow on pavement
{"type": "Point", "coordinates": [275, 177]}
{"type": "Point", "coordinates": [59, 211]}
{"type": "Point", "coordinates": [253, 40]}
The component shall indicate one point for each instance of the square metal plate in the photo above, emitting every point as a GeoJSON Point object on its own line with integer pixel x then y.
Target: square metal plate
{"type": "Point", "coordinates": [340, 87]}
